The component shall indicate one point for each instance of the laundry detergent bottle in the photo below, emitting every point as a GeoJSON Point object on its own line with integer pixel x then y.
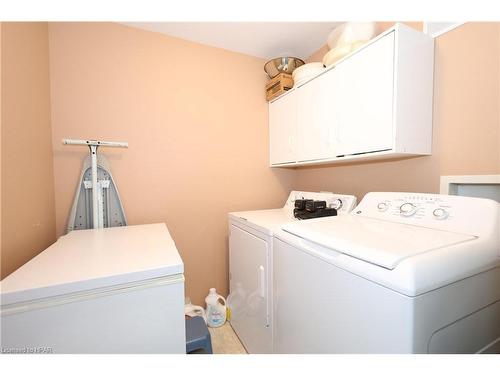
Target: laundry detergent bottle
{"type": "Point", "coordinates": [216, 311]}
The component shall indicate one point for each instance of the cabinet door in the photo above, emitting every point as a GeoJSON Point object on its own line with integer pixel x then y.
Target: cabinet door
{"type": "Point", "coordinates": [283, 129]}
{"type": "Point", "coordinates": [317, 118]}
{"type": "Point", "coordinates": [367, 81]}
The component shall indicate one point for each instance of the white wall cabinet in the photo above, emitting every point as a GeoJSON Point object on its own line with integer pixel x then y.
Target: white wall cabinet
{"type": "Point", "coordinates": [365, 123]}
{"type": "Point", "coordinates": [283, 133]}
{"type": "Point", "coordinates": [316, 105]}
{"type": "Point", "coordinates": [374, 103]}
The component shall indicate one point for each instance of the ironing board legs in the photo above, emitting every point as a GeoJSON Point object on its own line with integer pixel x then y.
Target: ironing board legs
{"type": "Point", "coordinates": [95, 210]}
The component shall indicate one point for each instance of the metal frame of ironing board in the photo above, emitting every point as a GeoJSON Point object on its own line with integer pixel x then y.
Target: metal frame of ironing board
{"type": "Point", "coordinates": [93, 145]}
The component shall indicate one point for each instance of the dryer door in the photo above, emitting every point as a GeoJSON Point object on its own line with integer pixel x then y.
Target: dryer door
{"type": "Point", "coordinates": [249, 281]}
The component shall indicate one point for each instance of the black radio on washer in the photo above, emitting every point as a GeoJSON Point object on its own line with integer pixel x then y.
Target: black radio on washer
{"type": "Point", "coordinates": [300, 204]}
{"type": "Point", "coordinates": [309, 209]}
{"type": "Point", "coordinates": [313, 206]}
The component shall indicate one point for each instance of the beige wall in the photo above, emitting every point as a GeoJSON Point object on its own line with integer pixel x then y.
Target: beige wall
{"type": "Point", "coordinates": [28, 215]}
{"type": "Point", "coordinates": [466, 98]}
{"type": "Point", "coordinates": [195, 118]}
{"type": "Point", "coordinates": [466, 126]}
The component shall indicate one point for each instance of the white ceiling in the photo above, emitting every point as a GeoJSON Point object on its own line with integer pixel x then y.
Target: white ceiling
{"type": "Point", "coordinates": [261, 39]}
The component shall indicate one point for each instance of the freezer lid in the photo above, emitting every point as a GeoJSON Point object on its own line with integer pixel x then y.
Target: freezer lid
{"type": "Point", "coordinates": [375, 241]}
{"type": "Point", "coordinates": [95, 258]}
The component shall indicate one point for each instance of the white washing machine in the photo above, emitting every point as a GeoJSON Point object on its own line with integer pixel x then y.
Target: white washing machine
{"type": "Point", "coordinates": [402, 273]}
{"type": "Point", "coordinates": [111, 290]}
{"type": "Point", "coordinates": [250, 266]}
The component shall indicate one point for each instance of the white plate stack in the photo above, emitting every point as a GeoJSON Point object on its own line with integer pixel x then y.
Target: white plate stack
{"type": "Point", "coordinates": [305, 72]}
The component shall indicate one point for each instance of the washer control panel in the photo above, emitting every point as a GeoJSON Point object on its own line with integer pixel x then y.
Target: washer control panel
{"type": "Point", "coordinates": [414, 206]}
{"type": "Point", "coordinates": [445, 212]}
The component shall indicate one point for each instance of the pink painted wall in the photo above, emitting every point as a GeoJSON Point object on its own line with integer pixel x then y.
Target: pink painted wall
{"type": "Point", "coordinates": [28, 213]}
{"type": "Point", "coordinates": [195, 118]}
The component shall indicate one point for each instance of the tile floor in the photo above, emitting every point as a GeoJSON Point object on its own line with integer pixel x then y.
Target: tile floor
{"type": "Point", "coordinates": [225, 341]}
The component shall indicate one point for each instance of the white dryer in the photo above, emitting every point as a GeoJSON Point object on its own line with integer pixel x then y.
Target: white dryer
{"type": "Point", "coordinates": [402, 273]}
{"type": "Point", "coordinates": [111, 290]}
{"type": "Point", "coordinates": [250, 266]}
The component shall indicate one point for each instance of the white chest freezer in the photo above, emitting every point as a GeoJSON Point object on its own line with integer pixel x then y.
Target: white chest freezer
{"type": "Point", "coordinates": [111, 290]}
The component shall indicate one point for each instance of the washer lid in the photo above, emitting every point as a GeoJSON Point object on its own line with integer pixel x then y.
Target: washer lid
{"type": "Point", "coordinates": [87, 259]}
{"type": "Point", "coordinates": [376, 241]}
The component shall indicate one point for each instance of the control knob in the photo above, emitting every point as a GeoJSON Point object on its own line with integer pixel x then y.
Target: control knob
{"type": "Point", "coordinates": [382, 206]}
{"type": "Point", "coordinates": [337, 204]}
{"type": "Point", "coordinates": [440, 213]}
{"type": "Point", "coordinates": [407, 209]}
